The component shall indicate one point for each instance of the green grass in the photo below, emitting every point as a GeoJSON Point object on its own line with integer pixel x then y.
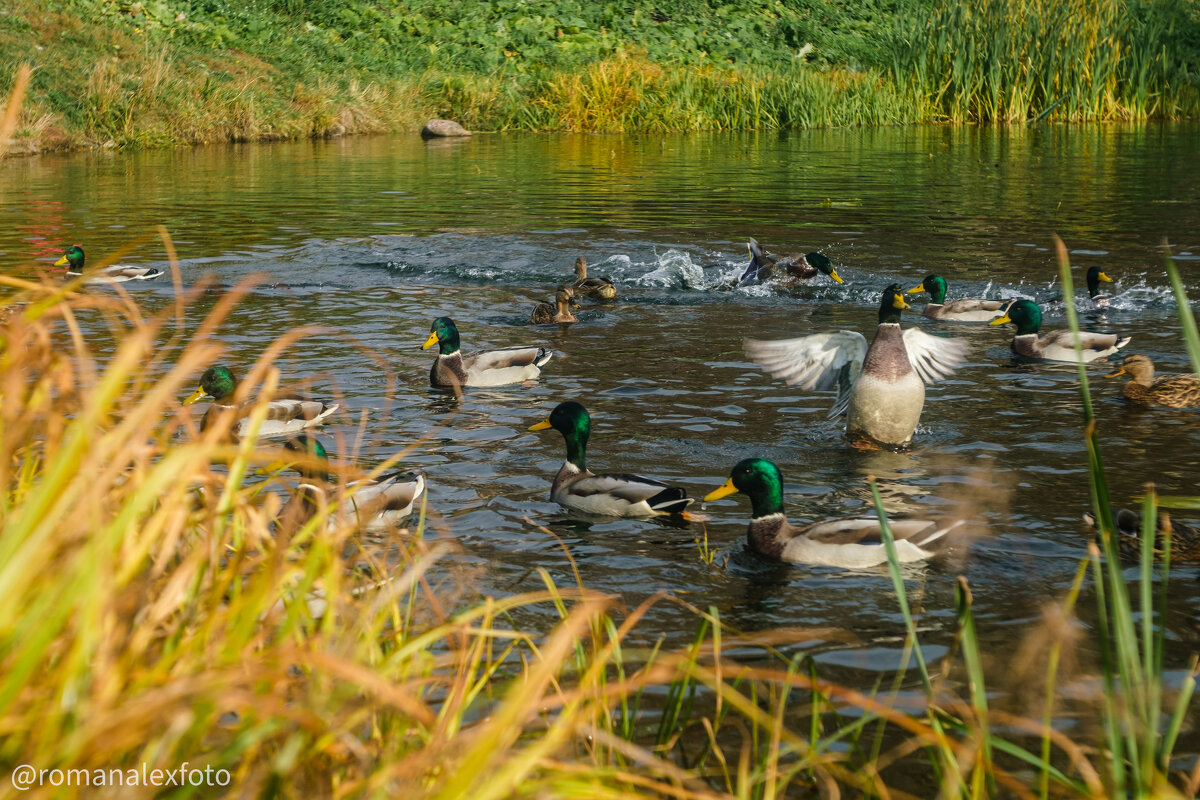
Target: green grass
{"type": "Point", "coordinates": [166, 72]}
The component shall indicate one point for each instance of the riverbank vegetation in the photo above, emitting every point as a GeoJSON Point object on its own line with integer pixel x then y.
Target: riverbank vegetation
{"type": "Point", "coordinates": [154, 613]}
{"type": "Point", "coordinates": [167, 72]}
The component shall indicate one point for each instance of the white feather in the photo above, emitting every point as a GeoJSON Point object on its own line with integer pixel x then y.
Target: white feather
{"type": "Point", "coordinates": [933, 357]}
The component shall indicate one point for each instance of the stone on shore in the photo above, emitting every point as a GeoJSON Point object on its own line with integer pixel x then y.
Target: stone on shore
{"type": "Point", "coordinates": [437, 128]}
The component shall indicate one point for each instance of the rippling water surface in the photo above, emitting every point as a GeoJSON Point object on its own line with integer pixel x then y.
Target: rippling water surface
{"type": "Point", "coordinates": [374, 237]}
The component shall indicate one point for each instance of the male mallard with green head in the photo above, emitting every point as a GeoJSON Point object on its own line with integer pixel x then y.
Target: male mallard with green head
{"type": "Point", "coordinates": [1185, 539]}
{"type": "Point", "coordinates": [73, 259]}
{"type": "Point", "coordinates": [1056, 345]}
{"type": "Point", "coordinates": [1094, 278]}
{"type": "Point", "coordinates": [285, 415]}
{"type": "Point", "coordinates": [451, 369]}
{"type": "Point", "coordinates": [787, 270]}
{"type": "Point", "coordinates": [881, 388]}
{"type": "Point", "coordinates": [1175, 391]}
{"type": "Point", "coordinates": [615, 494]}
{"type": "Point", "coordinates": [371, 504]}
{"type": "Point", "coordinates": [601, 288]}
{"type": "Point", "coordinates": [967, 309]}
{"type": "Point", "coordinates": [557, 313]}
{"type": "Point", "coordinates": [849, 543]}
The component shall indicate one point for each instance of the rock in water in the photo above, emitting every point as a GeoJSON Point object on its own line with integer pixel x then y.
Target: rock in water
{"type": "Point", "coordinates": [436, 128]}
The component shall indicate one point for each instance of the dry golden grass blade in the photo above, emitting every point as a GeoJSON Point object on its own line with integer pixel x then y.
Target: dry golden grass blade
{"type": "Point", "coordinates": [12, 109]}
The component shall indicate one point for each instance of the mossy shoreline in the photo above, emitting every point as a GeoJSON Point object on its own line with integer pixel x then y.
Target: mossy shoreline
{"type": "Point", "coordinates": [166, 73]}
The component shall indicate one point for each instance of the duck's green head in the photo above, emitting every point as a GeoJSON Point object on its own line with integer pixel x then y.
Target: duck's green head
{"type": "Point", "coordinates": [891, 304]}
{"type": "Point", "coordinates": [935, 285]}
{"type": "Point", "coordinates": [216, 382]}
{"type": "Point", "coordinates": [758, 479]}
{"type": "Point", "coordinates": [72, 258]}
{"type": "Point", "coordinates": [1025, 314]}
{"type": "Point", "coordinates": [822, 265]}
{"type": "Point", "coordinates": [444, 334]}
{"type": "Point", "coordinates": [573, 422]}
{"type": "Point", "coordinates": [1096, 276]}
{"type": "Point", "coordinates": [313, 463]}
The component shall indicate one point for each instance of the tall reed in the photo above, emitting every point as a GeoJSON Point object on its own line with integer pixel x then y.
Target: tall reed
{"type": "Point", "coordinates": [1019, 60]}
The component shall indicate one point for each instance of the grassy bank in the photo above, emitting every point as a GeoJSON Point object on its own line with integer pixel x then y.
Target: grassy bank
{"type": "Point", "coordinates": [166, 72]}
{"type": "Point", "coordinates": [156, 614]}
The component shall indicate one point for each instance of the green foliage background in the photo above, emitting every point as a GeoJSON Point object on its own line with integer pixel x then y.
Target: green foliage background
{"type": "Point", "coordinates": [160, 72]}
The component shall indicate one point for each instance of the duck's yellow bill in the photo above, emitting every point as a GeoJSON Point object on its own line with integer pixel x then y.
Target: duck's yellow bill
{"type": "Point", "coordinates": [833, 274]}
{"type": "Point", "coordinates": [196, 396]}
{"type": "Point", "coordinates": [898, 302]}
{"type": "Point", "coordinates": [431, 341]}
{"type": "Point", "coordinates": [1001, 321]}
{"type": "Point", "coordinates": [726, 489]}
{"type": "Point", "coordinates": [920, 287]}
{"type": "Point", "coordinates": [544, 425]}
{"type": "Point", "coordinates": [1121, 371]}
{"type": "Point", "coordinates": [62, 262]}
{"type": "Point", "coordinates": [1105, 278]}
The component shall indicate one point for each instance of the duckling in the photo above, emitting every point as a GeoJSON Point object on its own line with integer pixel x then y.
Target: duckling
{"type": "Point", "coordinates": [584, 286]}
{"type": "Point", "coordinates": [372, 504]}
{"type": "Point", "coordinates": [451, 369]}
{"type": "Point", "coordinates": [73, 259]}
{"type": "Point", "coordinates": [1056, 345]}
{"type": "Point", "coordinates": [1094, 278]}
{"type": "Point", "coordinates": [881, 388]}
{"type": "Point", "coordinates": [615, 494]}
{"type": "Point", "coordinates": [285, 415]}
{"type": "Point", "coordinates": [967, 309]}
{"type": "Point", "coordinates": [787, 270]}
{"type": "Point", "coordinates": [559, 312]}
{"type": "Point", "coordinates": [1176, 391]}
{"type": "Point", "coordinates": [852, 543]}
{"type": "Point", "coordinates": [1185, 539]}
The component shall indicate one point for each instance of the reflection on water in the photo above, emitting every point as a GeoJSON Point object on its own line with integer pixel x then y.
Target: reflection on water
{"type": "Point", "coordinates": [374, 237]}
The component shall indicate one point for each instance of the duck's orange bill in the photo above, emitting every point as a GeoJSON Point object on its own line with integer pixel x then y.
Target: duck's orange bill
{"type": "Point", "coordinates": [918, 288]}
{"type": "Point", "coordinates": [833, 274]}
{"type": "Point", "coordinates": [1121, 371]}
{"type": "Point", "coordinates": [544, 425]}
{"type": "Point", "coordinates": [1001, 321]}
{"type": "Point", "coordinates": [431, 341]}
{"type": "Point", "coordinates": [62, 262]}
{"type": "Point", "coordinates": [726, 489]}
{"type": "Point", "coordinates": [196, 396]}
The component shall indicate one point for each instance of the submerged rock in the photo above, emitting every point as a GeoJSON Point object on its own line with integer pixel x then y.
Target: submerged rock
{"type": "Point", "coordinates": [437, 128]}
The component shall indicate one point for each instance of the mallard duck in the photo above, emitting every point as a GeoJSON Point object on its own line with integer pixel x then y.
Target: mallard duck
{"type": "Point", "coordinates": [371, 504]}
{"type": "Point", "coordinates": [1094, 278]}
{"type": "Point", "coordinates": [1056, 345]}
{"type": "Point", "coordinates": [967, 309]}
{"type": "Point", "coordinates": [850, 543]}
{"type": "Point", "coordinates": [591, 287]}
{"type": "Point", "coordinates": [1176, 391]}
{"type": "Point", "coordinates": [881, 388]}
{"type": "Point", "coordinates": [451, 369]}
{"type": "Point", "coordinates": [285, 415]}
{"type": "Point", "coordinates": [786, 270]}
{"type": "Point", "coordinates": [615, 494]}
{"type": "Point", "coordinates": [73, 259]}
{"type": "Point", "coordinates": [1185, 539]}
{"type": "Point", "coordinates": [558, 312]}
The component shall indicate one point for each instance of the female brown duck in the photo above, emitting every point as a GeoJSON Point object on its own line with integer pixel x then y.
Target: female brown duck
{"type": "Point", "coordinates": [1175, 391]}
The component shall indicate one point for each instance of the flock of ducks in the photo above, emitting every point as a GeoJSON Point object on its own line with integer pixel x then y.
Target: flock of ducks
{"type": "Point", "coordinates": [880, 390]}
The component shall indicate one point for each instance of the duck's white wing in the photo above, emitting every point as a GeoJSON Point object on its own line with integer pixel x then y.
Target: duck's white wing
{"type": "Point", "coordinates": [821, 361]}
{"type": "Point", "coordinates": [933, 357]}
{"type": "Point", "coordinates": [120, 273]}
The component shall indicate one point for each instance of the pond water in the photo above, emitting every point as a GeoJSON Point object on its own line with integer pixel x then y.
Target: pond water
{"type": "Point", "coordinates": [374, 237]}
